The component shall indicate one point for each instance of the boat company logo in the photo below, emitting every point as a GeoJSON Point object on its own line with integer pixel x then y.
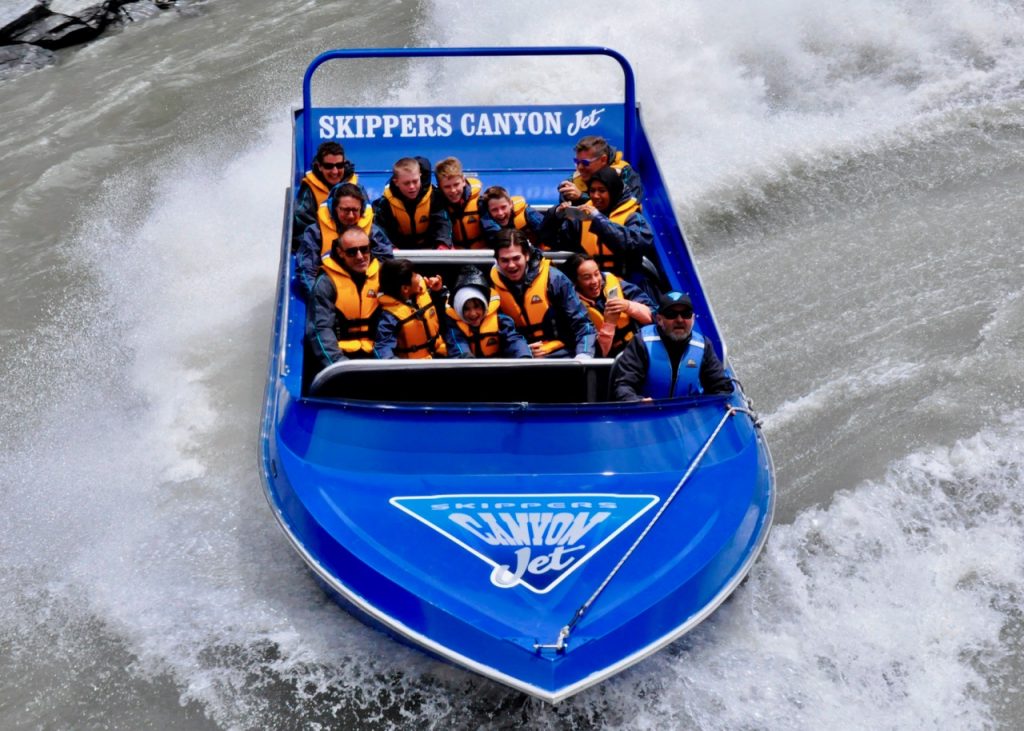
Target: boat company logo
{"type": "Point", "coordinates": [357, 124]}
{"type": "Point", "coordinates": [533, 541]}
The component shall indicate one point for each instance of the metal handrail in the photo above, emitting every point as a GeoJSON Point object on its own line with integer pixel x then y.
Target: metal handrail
{"type": "Point", "coordinates": [627, 70]}
{"type": "Point", "coordinates": [563, 634]}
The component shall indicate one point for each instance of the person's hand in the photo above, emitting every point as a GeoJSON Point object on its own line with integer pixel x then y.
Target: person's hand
{"type": "Point", "coordinates": [568, 190]}
{"type": "Point", "coordinates": [615, 307]}
{"type": "Point", "coordinates": [588, 211]}
{"type": "Point", "coordinates": [434, 283]}
{"type": "Point", "coordinates": [537, 349]}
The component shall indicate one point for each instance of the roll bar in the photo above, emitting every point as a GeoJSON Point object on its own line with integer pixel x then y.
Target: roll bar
{"type": "Point", "coordinates": [627, 71]}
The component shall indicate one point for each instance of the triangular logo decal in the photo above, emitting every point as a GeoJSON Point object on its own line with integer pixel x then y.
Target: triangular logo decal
{"type": "Point", "coordinates": [532, 540]}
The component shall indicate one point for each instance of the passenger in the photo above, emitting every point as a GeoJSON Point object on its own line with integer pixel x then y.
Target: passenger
{"type": "Point", "coordinates": [669, 358]}
{"type": "Point", "coordinates": [617, 308]}
{"type": "Point", "coordinates": [345, 208]}
{"type": "Point", "coordinates": [343, 301]}
{"type": "Point", "coordinates": [411, 211]}
{"type": "Point", "coordinates": [610, 228]}
{"type": "Point", "coordinates": [409, 326]}
{"type": "Point", "coordinates": [503, 211]}
{"type": "Point", "coordinates": [329, 169]}
{"type": "Point", "coordinates": [477, 327]}
{"type": "Point", "coordinates": [592, 154]}
{"type": "Point", "coordinates": [461, 203]}
{"type": "Point", "coordinates": [540, 300]}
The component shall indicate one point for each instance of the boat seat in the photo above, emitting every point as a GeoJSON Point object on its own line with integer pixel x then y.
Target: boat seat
{"type": "Point", "coordinates": [469, 380]}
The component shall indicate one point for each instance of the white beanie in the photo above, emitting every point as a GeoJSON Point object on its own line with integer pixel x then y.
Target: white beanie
{"type": "Point", "coordinates": [465, 294]}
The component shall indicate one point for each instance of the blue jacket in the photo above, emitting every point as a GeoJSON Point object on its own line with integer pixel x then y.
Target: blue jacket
{"type": "Point", "coordinates": [630, 372]}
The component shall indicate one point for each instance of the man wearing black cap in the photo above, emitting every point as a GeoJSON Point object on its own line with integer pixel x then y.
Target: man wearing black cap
{"type": "Point", "coordinates": [668, 358]}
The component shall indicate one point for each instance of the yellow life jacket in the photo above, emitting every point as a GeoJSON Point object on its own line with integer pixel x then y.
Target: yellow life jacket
{"type": "Point", "coordinates": [529, 322]}
{"type": "Point", "coordinates": [624, 328]}
{"type": "Point", "coordinates": [519, 220]}
{"type": "Point", "coordinates": [320, 189]}
{"type": "Point", "coordinates": [616, 162]}
{"type": "Point", "coordinates": [415, 227]}
{"type": "Point", "coordinates": [484, 341]}
{"type": "Point", "coordinates": [603, 255]}
{"type": "Point", "coordinates": [466, 230]}
{"type": "Point", "coordinates": [419, 331]}
{"type": "Point", "coordinates": [329, 229]}
{"type": "Point", "coordinates": [356, 307]}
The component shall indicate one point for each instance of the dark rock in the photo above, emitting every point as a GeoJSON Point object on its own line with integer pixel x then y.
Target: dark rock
{"type": "Point", "coordinates": [19, 58]}
{"type": "Point", "coordinates": [92, 13]}
{"type": "Point", "coordinates": [56, 31]}
{"type": "Point", "coordinates": [16, 14]}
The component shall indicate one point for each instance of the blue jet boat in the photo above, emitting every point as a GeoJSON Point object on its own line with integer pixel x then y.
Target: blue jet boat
{"type": "Point", "coordinates": [505, 515]}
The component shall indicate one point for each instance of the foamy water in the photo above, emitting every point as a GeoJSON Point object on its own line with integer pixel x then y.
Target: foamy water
{"type": "Point", "coordinates": [851, 178]}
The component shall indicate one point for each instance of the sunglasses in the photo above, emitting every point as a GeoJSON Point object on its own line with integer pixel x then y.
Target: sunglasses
{"type": "Point", "coordinates": [332, 165]}
{"type": "Point", "coordinates": [585, 162]}
{"type": "Point", "coordinates": [677, 314]}
{"type": "Point", "coordinates": [350, 211]}
{"type": "Point", "coordinates": [354, 251]}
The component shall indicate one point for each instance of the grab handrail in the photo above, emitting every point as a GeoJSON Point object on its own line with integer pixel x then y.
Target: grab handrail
{"type": "Point", "coordinates": [627, 70]}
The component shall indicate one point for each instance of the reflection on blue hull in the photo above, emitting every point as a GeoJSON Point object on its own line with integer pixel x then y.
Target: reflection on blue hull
{"type": "Point", "coordinates": [543, 545]}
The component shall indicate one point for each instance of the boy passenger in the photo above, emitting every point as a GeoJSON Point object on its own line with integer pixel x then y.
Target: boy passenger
{"type": "Point", "coordinates": [540, 300]}
{"type": "Point", "coordinates": [477, 328]}
{"type": "Point", "coordinates": [409, 325]}
{"type": "Point", "coordinates": [329, 169]}
{"type": "Point", "coordinates": [345, 208]}
{"type": "Point", "coordinates": [501, 210]}
{"type": "Point", "coordinates": [616, 307]}
{"type": "Point", "coordinates": [411, 211]}
{"type": "Point", "coordinates": [343, 301]}
{"type": "Point", "coordinates": [461, 203]}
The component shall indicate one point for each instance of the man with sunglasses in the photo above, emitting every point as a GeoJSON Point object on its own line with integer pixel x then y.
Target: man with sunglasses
{"type": "Point", "coordinates": [669, 358]}
{"type": "Point", "coordinates": [329, 169]}
{"type": "Point", "coordinates": [345, 208]}
{"type": "Point", "coordinates": [592, 154]}
{"type": "Point", "coordinates": [341, 318]}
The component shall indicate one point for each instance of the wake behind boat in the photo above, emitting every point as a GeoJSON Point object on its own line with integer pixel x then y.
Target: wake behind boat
{"type": "Point", "coordinates": [506, 515]}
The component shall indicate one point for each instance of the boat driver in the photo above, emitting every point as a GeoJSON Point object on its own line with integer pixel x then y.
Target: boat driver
{"type": "Point", "coordinates": [669, 358]}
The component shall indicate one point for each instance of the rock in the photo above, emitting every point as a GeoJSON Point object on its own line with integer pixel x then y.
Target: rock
{"type": "Point", "coordinates": [16, 14]}
{"type": "Point", "coordinates": [19, 58]}
{"type": "Point", "coordinates": [92, 13]}
{"type": "Point", "coordinates": [56, 31]}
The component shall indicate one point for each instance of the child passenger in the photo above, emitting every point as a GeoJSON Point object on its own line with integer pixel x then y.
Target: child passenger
{"type": "Point", "coordinates": [477, 327]}
{"type": "Point", "coordinates": [409, 326]}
